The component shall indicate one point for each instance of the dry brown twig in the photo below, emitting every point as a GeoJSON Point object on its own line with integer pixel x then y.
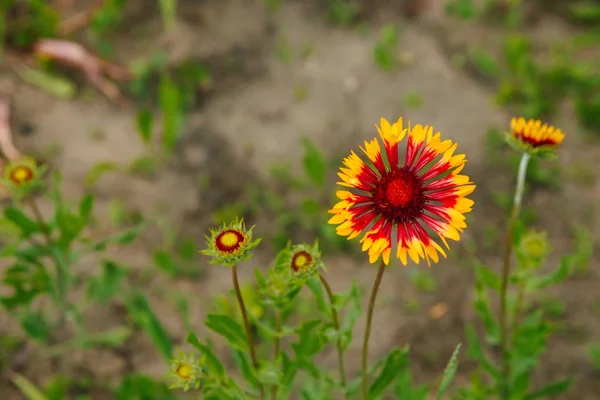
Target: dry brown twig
{"type": "Point", "coordinates": [75, 55]}
{"type": "Point", "coordinates": [6, 141]}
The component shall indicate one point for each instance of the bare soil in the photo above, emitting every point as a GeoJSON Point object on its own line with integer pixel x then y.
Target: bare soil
{"type": "Point", "coordinates": [251, 119]}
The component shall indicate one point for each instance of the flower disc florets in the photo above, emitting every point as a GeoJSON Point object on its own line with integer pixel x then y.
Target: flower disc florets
{"type": "Point", "coordinates": [304, 260]}
{"type": "Point", "coordinates": [533, 137]}
{"type": "Point", "coordinates": [185, 372]}
{"type": "Point", "coordinates": [21, 178]}
{"type": "Point", "coordinates": [230, 244]}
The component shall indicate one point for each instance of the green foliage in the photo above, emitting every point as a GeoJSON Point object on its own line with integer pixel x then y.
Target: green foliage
{"type": "Point", "coordinates": [343, 12]}
{"type": "Point", "coordinates": [535, 83]}
{"type": "Point", "coordinates": [386, 48]}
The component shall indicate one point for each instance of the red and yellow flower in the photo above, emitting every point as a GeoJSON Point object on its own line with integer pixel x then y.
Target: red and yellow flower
{"type": "Point", "coordinates": [404, 202]}
{"type": "Point", "coordinates": [534, 137]}
{"type": "Point", "coordinates": [22, 177]}
{"type": "Point", "coordinates": [230, 244]}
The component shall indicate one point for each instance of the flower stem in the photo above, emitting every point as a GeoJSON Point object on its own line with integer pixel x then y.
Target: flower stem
{"type": "Point", "coordinates": [336, 325]}
{"type": "Point", "coordinates": [61, 269]}
{"type": "Point", "coordinates": [365, 348]}
{"type": "Point", "coordinates": [238, 293]}
{"type": "Point", "coordinates": [277, 346]}
{"type": "Point", "coordinates": [505, 387]}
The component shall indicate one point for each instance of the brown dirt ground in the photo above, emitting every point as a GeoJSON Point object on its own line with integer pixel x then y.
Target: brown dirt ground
{"type": "Point", "coordinates": [251, 119]}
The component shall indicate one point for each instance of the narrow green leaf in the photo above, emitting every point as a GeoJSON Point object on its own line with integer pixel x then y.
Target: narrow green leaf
{"type": "Point", "coordinates": [27, 225]}
{"type": "Point", "coordinates": [225, 326]}
{"type": "Point", "coordinates": [29, 390]}
{"type": "Point", "coordinates": [449, 373]}
{"type": "Point", "coordinates": [97, 171]}
{"type": "Point", "coordinates": [487, 277]}
{"type": "Point", "coordinates": [551, 390]}
{"type": "Point", "coordinates": [314, 162]}
{"type": "Point", "coordinates": [86, 205]}
{"type": "Point", "coordinates": [241, 360]}
{"type": "Point", "coordinates": [212, 362]}
{"type": "Point", "coordinates": [141, 313]}
{"type": "Point", "coordinates": [394, 362]}
{"type": "Point", "coordinates": [145, 122]}
{"type": "Point", "coordinates": [169, 98]}
{"type": "Point", "coordinates": [108, 285]}
{"type": "Point", "coordinates": [55, 85]}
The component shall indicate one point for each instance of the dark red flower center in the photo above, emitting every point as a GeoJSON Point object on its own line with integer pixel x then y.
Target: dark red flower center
{"type": "Point", "coordinates": [399, 197]}
{"type": "Point", "coordinates": [301, 261]}
{"type": "Point", "coordinates": [229, 241]}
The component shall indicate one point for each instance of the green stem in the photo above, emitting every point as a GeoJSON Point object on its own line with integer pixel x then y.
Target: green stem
{"type": "Point", "coordinates": [277, 346]}
{"type": "Point", "coordinates": [505, 386]}
{"type": "Point", "coordinates": [238, 293]}
{"type": "Point", "coordinates": [57, 257]}
{"type": "Point", "coordinates": [336, 325]}
{"type": "Point", "coordinates": [518, 306]}
{"type": "Point", "coordinates": [365, 348]}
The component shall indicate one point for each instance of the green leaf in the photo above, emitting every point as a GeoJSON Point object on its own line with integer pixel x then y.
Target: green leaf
{"type": "Point", "coordinates": [475, 351]}
{"type": "Point", "coordinates": [211, 361]}
{"type": "Point", "coordinates": [28, 389]}
{"type": "Point", "coordinates": [141, 313]}
{"type": "Point", "coordinates": [487, 277]}
{"type": "Point", "coordinates": [449, 373]}
{"type": "Point", "coordinates": [552, 389]}
{"type": "Point", "coordinates": [559, 275]}
{"type": "Point", "coordinates": [170, 100]}
{"type": "Point", "coordinates": [165, 262]}
{"type": "Point", "coordinates": [55, 85]}
{"type": "Point", "coordinates": [28, 226]}
{"type": "Point", "coordinates": [144, 125]}
{"type": "Point", "coordinates": [120, 239]}
{"type": "Point", "coordinates": [227, 327]}
{"type": "Point", "coordinates": [242, 362]}
{"type": "Point", "coordinates": [394, 362]}
{"type": "Point", "coordinates": [86, 205]}
{"type": "Point", "coordinates": [594, 352]}
{"type": "Point", "coordinates": [314, 162]}
{"type": "Point", "coordinates": [97, 171]}
{"type": "Point", "coordinates": [35, 326]}
{"type": "Point", "coordinates": [105, 287]}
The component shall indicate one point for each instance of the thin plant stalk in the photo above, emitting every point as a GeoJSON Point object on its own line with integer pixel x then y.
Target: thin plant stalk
{"type": "Point", "coordinates": [518, 199]}
{"type": "Point", "coordinates": [277, 346]}
{"type": "Point", "coordinates": [61, 269]}
{"type": "Point", "coordinates": [240, 299]}
{"type": "Point", "coordinates": [336, 324]}
{"type": "Point", "coordinates": [365, 348]}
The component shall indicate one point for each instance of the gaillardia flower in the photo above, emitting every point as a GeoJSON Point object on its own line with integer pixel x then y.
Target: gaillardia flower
{"type": "Point", "coordinates": [185, 372]}
{"type": "Point", "coordinates": [22, 177]}
{"type": "Point", "coordinates": [533, 137]}
{"type": "Point", "coordinates": [230, 244]}
{"type": "Point", "coordinates": [404, 202]}
{"type": "Point", "coordinates": [304, 260]}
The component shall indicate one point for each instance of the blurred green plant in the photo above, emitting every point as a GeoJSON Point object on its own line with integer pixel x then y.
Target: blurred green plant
{"type": "Point", "coordinates": [385, 48]}
{"type": "Point", "coordinates": [290, 368]}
